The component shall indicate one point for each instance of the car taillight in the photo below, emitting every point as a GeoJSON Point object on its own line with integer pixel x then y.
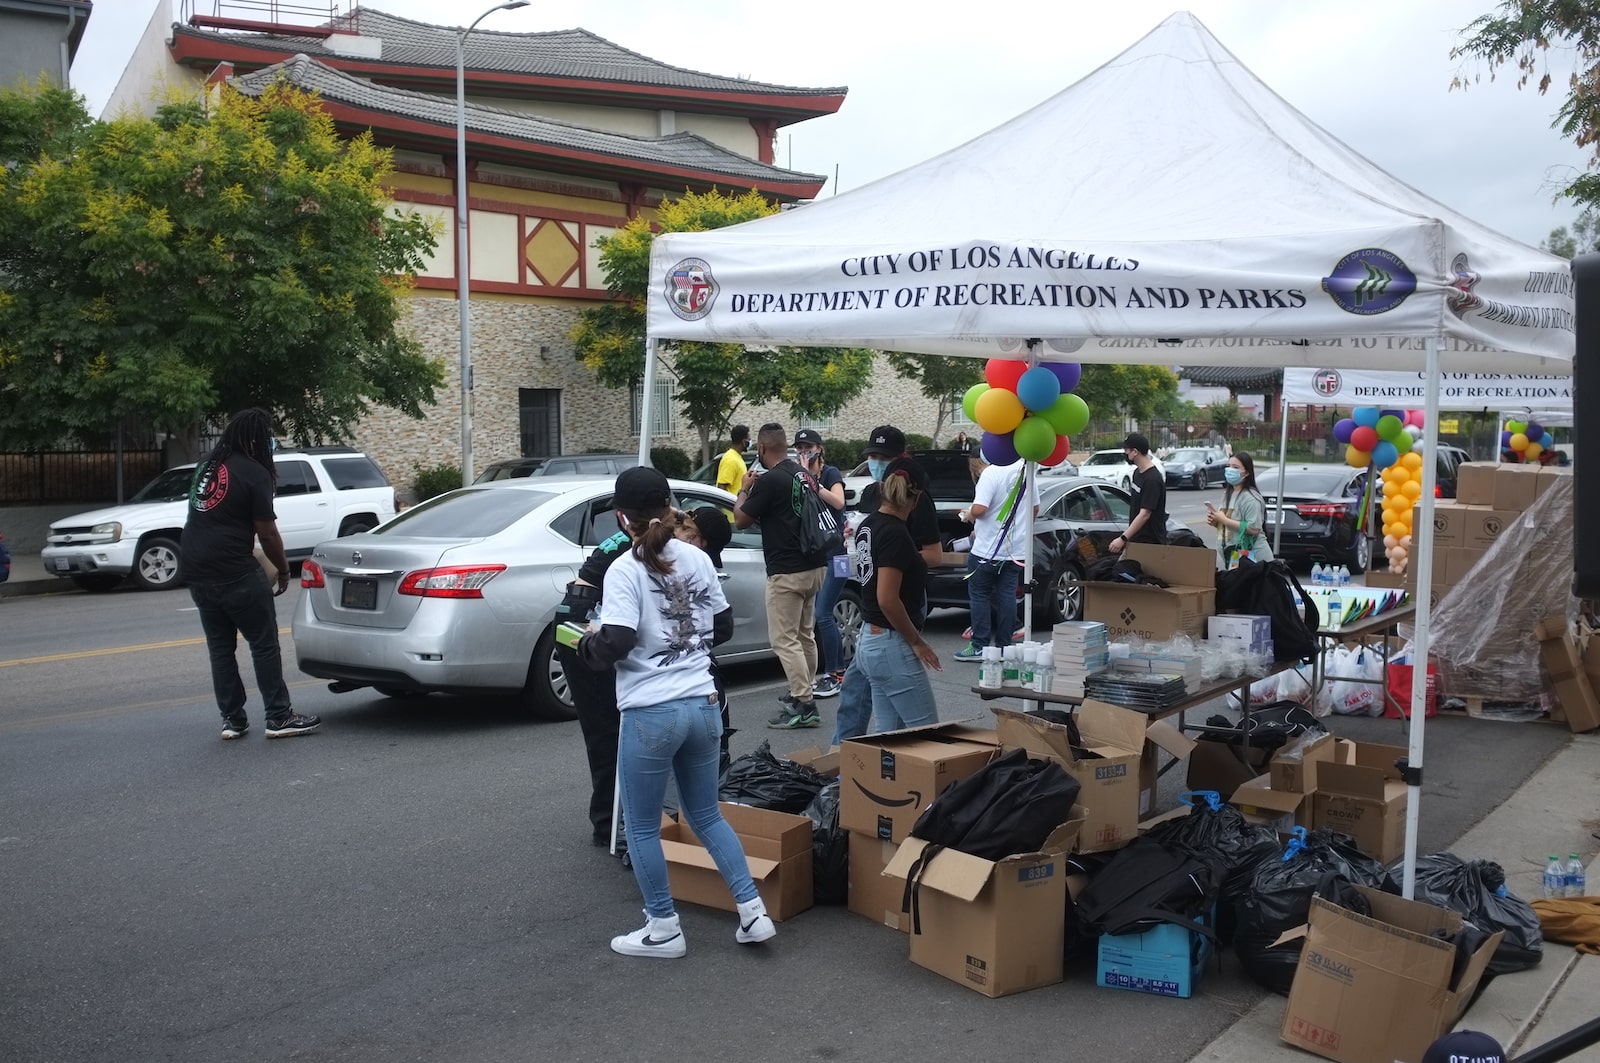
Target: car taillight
{"type": "Point", "coordinates": [311, 575]}
{"type": "Point", "coordinates": [1438, 492]}
{"type": "Point", "coordinates": [462, 581]}
{"type": "Point", "coordinates": [1318, 510]}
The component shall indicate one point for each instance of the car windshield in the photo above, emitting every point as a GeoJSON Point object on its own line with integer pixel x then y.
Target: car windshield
{"type": "Point", "coordinates": [466, 514]}
{"type": "Point", "coordinates": [170, 486]}
{"type": "Point", "coordinates": [1313, 482]}
{"type": "Point", "coordinates": [1108, 457]}
{"type": "Point", "coordinates": [1188, 455]}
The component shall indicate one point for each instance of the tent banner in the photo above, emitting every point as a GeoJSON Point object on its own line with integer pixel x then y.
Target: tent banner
{"type": "Point", "coordinates": [1457, 391]}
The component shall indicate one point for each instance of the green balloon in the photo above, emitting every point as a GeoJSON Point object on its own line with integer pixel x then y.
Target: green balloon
{"type": "Point", "coordinates": [1516, 426]}
{"type": "Point", "coordinates": [1069, 415]}
{"type": "Point", "coordinates": [1402, 442]}
{"type": "Point", "coordinates": [1390, 426]}
{"type": "Point", "coordinates": [969, 401]}
{"type": "Point", "coordinates": [1035, 437]}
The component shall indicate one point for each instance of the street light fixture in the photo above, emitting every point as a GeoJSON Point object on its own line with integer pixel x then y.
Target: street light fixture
{"type": "Point", "coordinates": [463, 268]}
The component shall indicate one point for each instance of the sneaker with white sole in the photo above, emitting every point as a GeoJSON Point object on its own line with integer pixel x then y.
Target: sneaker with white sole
{"type": "Point", "coordinates": [827, 685]}
{"type": "Point", "coordinates": [970, 652]}
{"type": "Point", "coordinates": [293, 724]}
{"type": "Point", "coordinates": [755, 925]}
{"type": "Point", "coordinates": [660, 938]}
{"type": "Point", "coordinates": [232, 729]}
{"type": "Point", "coordinates": [1016, 636]}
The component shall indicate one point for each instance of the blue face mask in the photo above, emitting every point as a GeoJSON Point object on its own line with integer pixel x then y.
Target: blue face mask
{"type": "Point", "coordinates": [878, 467]}
{"type": "Point", "coordinates": [1232, 475]}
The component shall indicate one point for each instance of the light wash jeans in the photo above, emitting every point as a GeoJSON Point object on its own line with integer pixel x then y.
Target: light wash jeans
{"type": "Point", "coordinates": [855, 703]}
{"type": "Point", "coordinates": [681, 737]}
{"type": "Point", "coordinates": [902, 696]}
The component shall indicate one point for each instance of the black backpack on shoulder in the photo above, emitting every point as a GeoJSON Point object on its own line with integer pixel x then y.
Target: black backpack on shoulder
{"type": "Point", "coordinates": [1270, 589]}
{"type": "Point", "coordinates": [1146, 884]}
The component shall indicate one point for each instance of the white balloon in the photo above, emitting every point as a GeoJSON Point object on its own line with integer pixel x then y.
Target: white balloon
{"type": "Point", "coordinates": [1414, 432]}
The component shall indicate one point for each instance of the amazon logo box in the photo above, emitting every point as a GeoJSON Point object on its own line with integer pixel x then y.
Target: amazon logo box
{"type": "Point", "coordinates": [887, 780]}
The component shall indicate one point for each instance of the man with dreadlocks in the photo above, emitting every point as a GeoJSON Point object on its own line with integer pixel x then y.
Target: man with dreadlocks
{"type": "Point", "coordinates": [230, 506]}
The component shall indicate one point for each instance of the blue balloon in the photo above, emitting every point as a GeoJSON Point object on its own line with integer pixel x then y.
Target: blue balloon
{"type": "Point", "coordinates": [1038, 389]}
{"type": "Point", "coordinates": [999, 449]}
{"type": "Point", "coordinates": [1547, 441]}
{"type": "Point", "coordinates": [1068, 373]}
{"type": "Point", "coordinates": [1385, 454]}
{"type": "Point", "coordinates": [1366, 416]}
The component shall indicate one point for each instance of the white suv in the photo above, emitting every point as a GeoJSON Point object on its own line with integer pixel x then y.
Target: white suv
{"type": "Point", "coordinates": [1113, 467]}
{"type": "Point", "coordinates": [322, 492]}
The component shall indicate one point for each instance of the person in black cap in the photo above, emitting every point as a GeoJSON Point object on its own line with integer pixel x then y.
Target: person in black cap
{"type": "Point", "coordinates": [1149, 523]}
{"type": "Point", "coordinates": [1465, 1046]}
{"type": "Point", "coordinates": [830, 647]}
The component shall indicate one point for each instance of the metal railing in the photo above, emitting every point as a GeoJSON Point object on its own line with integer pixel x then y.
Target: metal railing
{"type": "Point", "coordinates": [44, 476]}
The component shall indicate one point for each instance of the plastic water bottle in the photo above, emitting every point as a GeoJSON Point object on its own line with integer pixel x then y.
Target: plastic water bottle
{"type": "Point", "coordinates": [1573, 880]}
{"type": "Point", "coordinates": [1344, 575]}
{"type": "Point", "coordinates": [1555, 880]}
{"type": "Point", "coordinates": [1319, 575]}
{"type": "Point", "coordinates": [1335, 609]}
{"type": "Point", "coordinates": [1008, 658]}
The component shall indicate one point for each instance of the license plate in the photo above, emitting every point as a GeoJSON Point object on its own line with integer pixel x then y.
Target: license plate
{"type": "Point", "coordinates": [359, 594]}
{"type": "Point", "coordinates": [63, 565]}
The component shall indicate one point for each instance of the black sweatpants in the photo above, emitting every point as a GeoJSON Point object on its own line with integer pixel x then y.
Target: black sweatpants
{"type": "Point", "coordinates": [594, 695]}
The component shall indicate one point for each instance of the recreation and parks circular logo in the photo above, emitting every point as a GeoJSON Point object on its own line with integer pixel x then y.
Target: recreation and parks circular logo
{"type": "Point", "coordinates": [691, 289]}
{"type": "Point", "coordinates": [1370, 281]}
{"type": "Point", "coordinates": [1327, 382]}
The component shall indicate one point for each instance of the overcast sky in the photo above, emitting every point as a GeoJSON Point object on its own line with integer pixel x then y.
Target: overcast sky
{"type": "Point", "coordinates": [924, 78]}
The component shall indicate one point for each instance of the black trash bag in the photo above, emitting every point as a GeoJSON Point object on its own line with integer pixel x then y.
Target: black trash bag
{"type": "Point", "coordinates": [830, 848]}
{"type": "Point", "coordinates": [1279, 899]}
{"type": "Point", "coordinates": [1008, 806]}
{"type": "Point", "coordinates": [1080, 942]}
{"type": "Point", "coordinates": [1477, 890]}
{"type": "Point", "coordinates": [761, 780]}
{"type": "Point", "coordinates": [1220, 835]}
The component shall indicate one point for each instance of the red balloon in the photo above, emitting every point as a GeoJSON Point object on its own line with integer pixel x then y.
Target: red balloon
{"type": "Point", "coordinates": [1004, 372]}
{"type": "Point", "coordinates": [1364, 438]}
{"type": "Point", "coordinates": [1059, 454]}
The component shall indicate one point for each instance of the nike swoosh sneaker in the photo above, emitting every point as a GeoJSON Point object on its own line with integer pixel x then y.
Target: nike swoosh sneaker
{"type": "Point", "coordinates": [658, 937]}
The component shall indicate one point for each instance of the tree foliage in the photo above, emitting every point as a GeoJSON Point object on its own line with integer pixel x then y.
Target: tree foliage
{"type": "Point", "coordinates": [1136, 391]}
{"type": "Point", "coordinates": [713, 379]}
{"type": "Point", "coordinates": [1583, 237]}
{"type": "Point", "coordinates": [940, 378]}
{"type": "Point", "coordinates": [177, 268]}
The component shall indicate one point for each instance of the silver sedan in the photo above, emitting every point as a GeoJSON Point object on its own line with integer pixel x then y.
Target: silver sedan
{"type": "Point", "coordinates": [458, 594]}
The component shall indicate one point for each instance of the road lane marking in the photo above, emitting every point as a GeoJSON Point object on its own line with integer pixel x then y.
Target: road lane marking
{"type": "Point", "coordinates": [80, 654]}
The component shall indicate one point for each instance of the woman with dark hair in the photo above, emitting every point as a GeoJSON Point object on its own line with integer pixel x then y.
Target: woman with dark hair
{"type": "Point", "coordinates": [662, 612]}
{"type": "Point", "coordinates": [893, 576]}
{"type": "Point", "coordinates": [1241, 523]}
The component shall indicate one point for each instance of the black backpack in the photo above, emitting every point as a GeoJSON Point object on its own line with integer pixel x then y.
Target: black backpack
{"type": "Point", "coordinates": [1270, 589]}
{"type": "Point", "coordinates": [1146, 884]}
{"type": "Point", "coordinates": [819, 525]}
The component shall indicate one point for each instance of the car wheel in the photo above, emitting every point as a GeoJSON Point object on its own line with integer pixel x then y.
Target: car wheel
{"type": "Point", "coordinates": [98, 584]}
{"type": "Point", "coordinates": [847, 614]}
{"type": "Point", "coordinates": [547, 693]}
{"type": "Point", "coordinates": [1199, 481]}
{"type": "Point", "coordinates": [356, 525]}
{"type": "Point", "coordinates": [1360, 555]}
{"type": "Point", "coordinates": [155, 567]}
{"type": "Point", "coordinates": [1066, 593]}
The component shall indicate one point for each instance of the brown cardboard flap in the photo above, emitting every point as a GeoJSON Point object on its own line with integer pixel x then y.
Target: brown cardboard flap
{"type": "Point", "coordinates": [1065, 837]}
{"type": "Point", "coordinates": [824, 762]}
{"type": "Point", "coordinates": [691, 855]}
{"type": "Point", "coordinates": [951, 872]}
{"type": "Point", "coordinates": [1392, 937]}
{"type": "Point", "coordinates": [1350, 780]}
{"type": "Point", "coordinates": [1259, 794]}
{"type": "Point", "coordinates": [1039, 737]}
{"type": "Point", "coordinates": [762, 832]}
{"type": "Point", "coordinates": [1292, 935]}
{"type": "Point", "coordinates": [1184, 566]}
{"type": "Point", "coordinates": [1104, 724]}
{"type": "Point", "coordinates": [1170, 738]}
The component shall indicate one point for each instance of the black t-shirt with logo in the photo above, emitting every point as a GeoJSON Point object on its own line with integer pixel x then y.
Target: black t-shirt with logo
{"type": "Point", "coordinates": [1150, 492]}
{"type": "Point", "coordinates": [776, 503]}
{"type": "Point", "coordinates": [884, 541]}
{"type": "Point", "coordinates": [924, 520]}
{"type": "Point", "coordinates": [225, 502]}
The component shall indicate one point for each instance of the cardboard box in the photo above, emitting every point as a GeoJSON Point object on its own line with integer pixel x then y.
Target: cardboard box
{"type": "Point", "coordinates": [872, 893]}
{"type": "Point", "coordinates": [1359, 793]}
{"type": "Point", "coordinates": [1116, 766]}
{"type": "Point", "coordinates": [1484, 524]}
{"type": "Point", "coordinates": [1459, 561]}
{"type": "Point", "coordinates": [1282, 810]}
{"type": "Point", "coordinates": [1449, 522]}
{"type": "Point", "coordinates": [1156, 613]}
{"type": "Point", "coordinates": [777, 847]}
{"type": "Point", "coordinates": [1217, 766]}
{"type": "Point", "coordinates": [996, 927]}
{"type": "Point", "coordinates": [1166, 961]}
{"type": "Point", "coordinates": [1386, 580]}
{"type": "Point", "coordinates": [825, 762]}
{"type": "Point", "coordinates": [1475, 483]}
{"type": "Point", "coordinates": [1570, 675]}
{"type": "Point", "coordinates": [1549, 476]}
{"type": "Point", "coordinates": [1374, 990]}
{"type": "Point", "coordinates": [887, 780]}
{"type": "Point", "coordinates": [1299, 776]}
{"type": "Point", "coordinates": [1515, 487]}
{"type": "Point", "coordinates": [1250, 630]}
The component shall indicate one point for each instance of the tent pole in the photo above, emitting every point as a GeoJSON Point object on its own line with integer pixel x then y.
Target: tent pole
{"type": "Point", "coordinates": [1283, 464]}
{"type": "Point", "coordinates": [1422, 561]}
{"type": "Point", "coordinates": [647, 400]}
{"type": "Point", "coordinates": [1029, 471]}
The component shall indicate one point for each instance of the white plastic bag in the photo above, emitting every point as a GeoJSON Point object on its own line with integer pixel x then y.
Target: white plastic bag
{"type": "Point", "coordinates": [1351, 698]}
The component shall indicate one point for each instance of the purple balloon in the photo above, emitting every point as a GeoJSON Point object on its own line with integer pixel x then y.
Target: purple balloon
{"type": "Point", "coordinates": [1068, 373]}
{"type": "Point", "coordinates": [1535, 431]}
{"type": "Point", "coordinates": [999, 449]}
{"type": "Point", "coordinates": [1505, 440]}
{"type": "Point", "coordinates": [1394, 413]}
{"type": "Point", "coordinates": [1342, 430]}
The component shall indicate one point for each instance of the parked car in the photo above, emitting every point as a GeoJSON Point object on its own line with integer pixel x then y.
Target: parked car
{"type": "Point", "coordinates": [1448, 463]}
{"type": "Point", "coordinates": [322, 492]}
{"type": "Point", "coordinates": [562, 465]}
{"type": "Point", "coordinates": [458, 594]}
{"type": "Point", "coordinates": [1196, 467]}
{"type": "Point", "coordinates": [1113, 467]}
{"type": "Point", "coordinates": [1321, 505]}
{"type": "Point", "coordinates": [949, 474]}
{"type": "Point", "coordinates": [707, 473]}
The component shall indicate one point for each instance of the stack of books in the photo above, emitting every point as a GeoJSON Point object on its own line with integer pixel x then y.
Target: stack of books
{"type": "Point", "coordinates": [1080, 649]}
{"type": "Point", "coordinates": [1146, 691]}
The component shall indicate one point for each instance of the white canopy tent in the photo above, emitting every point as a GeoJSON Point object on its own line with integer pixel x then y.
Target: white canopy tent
{"type": "Point", "coordinates": [1167, 208]}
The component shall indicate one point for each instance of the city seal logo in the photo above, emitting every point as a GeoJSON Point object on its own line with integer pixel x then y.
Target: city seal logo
{"type": "Point", "coordinates": [1327, 382]}
{"type": "Point", "coordinates": [1370, 281]}
{"type": "Point", "coordinates": [691, 289]}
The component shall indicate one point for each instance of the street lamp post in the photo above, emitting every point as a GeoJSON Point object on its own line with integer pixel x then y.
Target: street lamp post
{"type": "Point", "coordinates": [463, 267]}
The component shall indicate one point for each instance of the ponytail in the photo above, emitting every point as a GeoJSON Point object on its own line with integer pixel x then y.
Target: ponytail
{"type": "Point", "coordinates": [659, 528]}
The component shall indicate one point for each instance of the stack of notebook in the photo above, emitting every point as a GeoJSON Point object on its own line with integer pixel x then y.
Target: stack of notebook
{"type": "Point", "coordinates": [1080, 649]}
{"type": "Point", "coordinates": [1136, 690]}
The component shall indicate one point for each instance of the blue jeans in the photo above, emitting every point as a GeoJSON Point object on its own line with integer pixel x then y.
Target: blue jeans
{"type": "Point", "coordinates": [242, 607]}
{"type": "Point", "coordinates": [681, 738]}
{"type": "Point", "coordinates": [855, 703]}
{"type": "Point", "coordinates": [830, 647]}
{"type": "Point", "coordinates": [993, 598]}
{"type": "Point", "coordinates": [902, 696]}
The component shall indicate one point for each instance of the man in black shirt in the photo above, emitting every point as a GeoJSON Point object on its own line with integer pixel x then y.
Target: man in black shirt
{"type": "Point", "coordinates": [230, 506]}
{"type": "Point", "coordinates": [772, 496]}
{"type": "Point", "coordinates": [1149, 523]}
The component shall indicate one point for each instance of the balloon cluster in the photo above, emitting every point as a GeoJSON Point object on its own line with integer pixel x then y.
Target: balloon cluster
{"type": "Point", "coordinates": [1378, 437]}
{"type": "Point", "coordinates": [1027, 413]}
{"type": "Point", "coordinates": [1402, 486]}
{"type": "Point", "coordinates": [1524, 441]}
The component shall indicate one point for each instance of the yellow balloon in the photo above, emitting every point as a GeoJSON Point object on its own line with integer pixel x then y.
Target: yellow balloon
{"type": "Point", "coordinates": [1391, 533]}
{"type": "Point", "coordinates": [1519, 442]}
{"type": "Point", "coordinates": [1411, 460]}
{"type": "Point", "coordinates": [1413, 489]}
{"type": "Point", "coordinates": [1533, 451]}
{"type": "Point", "coordinates": [998, 410]}
{"type": "Point", "coordinates": [1405, 519]}
{"type": "Point", "coordinates": [1357, 458]}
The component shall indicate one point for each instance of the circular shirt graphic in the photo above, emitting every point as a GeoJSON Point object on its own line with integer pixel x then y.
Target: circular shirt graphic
{"type": "Point", "coordinates": [211, 488]}
{"type": "Point", "coordinates": [1370, 281]}
{"type": "Point", "coordinates": [691, 289]}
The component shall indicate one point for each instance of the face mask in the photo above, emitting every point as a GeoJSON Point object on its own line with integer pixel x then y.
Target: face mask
{"type": "Point", "coordinates": [1232, 475]}
{"type": "Point", "coordinates": [878, 467]}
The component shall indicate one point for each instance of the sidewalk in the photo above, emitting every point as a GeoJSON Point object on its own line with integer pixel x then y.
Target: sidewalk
{"type": "Point", "coordinates": [29, 577]}
{"type": "Point", "coordinates": [1554, 811]}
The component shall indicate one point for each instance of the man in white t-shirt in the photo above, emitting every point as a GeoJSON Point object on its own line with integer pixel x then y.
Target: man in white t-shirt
{"type": "Point", "coordinates": [999, 551]}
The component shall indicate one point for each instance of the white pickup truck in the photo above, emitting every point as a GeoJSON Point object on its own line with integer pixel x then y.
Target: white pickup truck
{"type": "Point", "coordinates": [322, 492]}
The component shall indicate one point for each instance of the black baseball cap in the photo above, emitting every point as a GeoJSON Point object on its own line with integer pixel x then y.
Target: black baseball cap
{"type": "Point", "coordinates": [1135, 441]}
{"type": "Point", "coordinates": [808, 435]}
{"type": "Point", "coordinates": [886, 439]}
{"type": "Point", "coordinates": [1464, 1045]}
{"type": "Point", "coordinates": [714, 531]}
{"type": "Point", "coordinates": [642, 488]}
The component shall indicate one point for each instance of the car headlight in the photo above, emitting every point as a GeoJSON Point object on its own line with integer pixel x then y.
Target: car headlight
{"type": "Point", "coordinates": [1188, 466]}
{"type": "Point", "coordinates": [110, 528]}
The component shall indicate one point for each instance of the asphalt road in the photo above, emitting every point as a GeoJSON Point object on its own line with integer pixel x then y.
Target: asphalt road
{"type": "Point", "coordinates": [416, 882]}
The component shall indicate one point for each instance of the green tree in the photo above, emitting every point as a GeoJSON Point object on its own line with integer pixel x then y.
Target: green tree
{"type": "Point", "coordinates": [1223, 415]}
{"type": "Point", "coordinates": [177, 268]}
{"type": "Point", "coordinates": [1583, 237]}
{"type": "Point", "coordinates": [940, 378]}
{"type": "Point", "coordinates": [713, 379]}
{"type": "Point", "coordinates": [1114, 392]}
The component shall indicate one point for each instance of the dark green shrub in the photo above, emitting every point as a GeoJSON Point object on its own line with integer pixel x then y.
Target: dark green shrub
{"type": "Point", "coordinates": [672, 462]}
{"type": "Point", "coordinates": [434, 480]}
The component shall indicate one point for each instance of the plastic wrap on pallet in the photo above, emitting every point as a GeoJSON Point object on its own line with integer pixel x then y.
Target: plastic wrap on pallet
{"type": "Point", "coordinates": [1483, 630]}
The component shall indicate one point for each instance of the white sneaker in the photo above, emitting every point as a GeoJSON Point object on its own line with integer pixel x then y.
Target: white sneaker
{"type": "Point", "coordinates": [658, 937]}
{"type": "Point", "coordinates": [754, 923]}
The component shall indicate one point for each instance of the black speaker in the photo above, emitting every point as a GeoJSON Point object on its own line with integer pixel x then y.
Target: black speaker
{"type": "Point", "coordinates": [1585, 458]}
